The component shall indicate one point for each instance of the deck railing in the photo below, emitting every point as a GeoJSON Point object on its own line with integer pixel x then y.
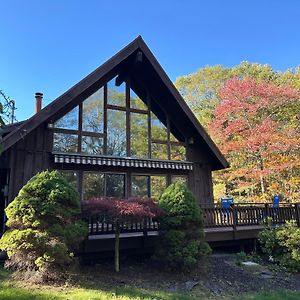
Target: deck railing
{"type": "Point", "coordinates": [238, 215]}
{"type": "Point", "coordinates": [250, 215]}
{"type": "Point", "coordinates": [98, 226]}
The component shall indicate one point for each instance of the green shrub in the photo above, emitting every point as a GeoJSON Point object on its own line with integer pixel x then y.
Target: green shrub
{"type": "Point", "coordinates": [45, 227]}
{"type": "Point", "coordinates": [181, 229]}
{"type": "Point", "coordinates": [282, 245]}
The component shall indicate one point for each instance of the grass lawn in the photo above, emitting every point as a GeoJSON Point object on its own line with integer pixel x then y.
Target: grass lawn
{"type": "Point", "coordinates": [14, 290]}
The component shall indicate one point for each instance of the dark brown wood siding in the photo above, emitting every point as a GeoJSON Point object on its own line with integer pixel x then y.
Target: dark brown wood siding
{"type": "Point", "coordinates": [27, 157]}
{"type": "Point", "coordinates": [200, 178]}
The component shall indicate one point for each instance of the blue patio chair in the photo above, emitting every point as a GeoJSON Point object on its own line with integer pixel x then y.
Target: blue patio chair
{"type": "Point", "coordinates": [226, 203]}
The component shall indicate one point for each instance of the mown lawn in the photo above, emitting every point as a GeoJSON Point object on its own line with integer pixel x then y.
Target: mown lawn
{"type": "Point", "coordinates": [12, 290]}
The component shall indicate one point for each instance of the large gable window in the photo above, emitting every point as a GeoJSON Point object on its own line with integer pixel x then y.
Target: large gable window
{"type": "Point", "coordinates": [114, 121]}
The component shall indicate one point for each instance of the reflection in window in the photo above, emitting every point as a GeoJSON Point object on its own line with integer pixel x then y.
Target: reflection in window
{"type": "Point", "coordinates": [140, 186]}
{"type": "Point", "coordinates": [136, 102]}
{"type": "Point", "coordinates": [179, 178]}
{"type": "Point", "coordinates": [115, 185]}
{"type": "Point", "coordinates": [92, 145]}
{"type": "Point", "coordinates": [116, 133]}
{"type": "Point", "coordinates": [116, 95]}
{"type": "Point", "coordinates": [177, 152]}
{"type": "Point", "coordinates": [93, 185]}
{"type": "Point", "coordinates": [97, 185]}
{"type": "Point", "coordinates": [159, 151]}
{"type": "Point", "coordinates": [92, 113]}
{"type": "Point", "coordinates": [139, 135]}
{"type": "Point", "coordinates": [71, 177]}
{"type": "Point", "coordinates": [63, 142]}
{"type": "Point", "coordinates": [158, 129]}
{"type": "Point", "coordinates": [68, 121]}
{"type": "Point", "coordinates": [158, 185]}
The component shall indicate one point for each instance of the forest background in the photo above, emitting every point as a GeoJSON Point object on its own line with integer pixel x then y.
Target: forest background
{"type": "Point", "coordinates": [252, 112]}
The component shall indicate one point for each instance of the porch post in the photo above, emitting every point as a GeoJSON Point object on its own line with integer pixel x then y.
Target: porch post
{"type": "Point", "coordinates": [297, 214]}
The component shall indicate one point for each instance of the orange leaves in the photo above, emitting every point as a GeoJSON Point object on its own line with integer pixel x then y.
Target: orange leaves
{"type": "Point", "coordinates": [249, 126]}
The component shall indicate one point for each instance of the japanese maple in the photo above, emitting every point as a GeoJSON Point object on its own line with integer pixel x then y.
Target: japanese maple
{"type": "Point", "coordinates": [117, 211]}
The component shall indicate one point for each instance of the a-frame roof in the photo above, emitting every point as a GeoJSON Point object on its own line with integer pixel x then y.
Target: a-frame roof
{"type": "Point", "coordinates": [151, 75]}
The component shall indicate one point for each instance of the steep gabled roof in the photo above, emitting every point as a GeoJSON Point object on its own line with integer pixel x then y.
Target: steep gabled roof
{"type": "Point", "coordinates": [153, 76]}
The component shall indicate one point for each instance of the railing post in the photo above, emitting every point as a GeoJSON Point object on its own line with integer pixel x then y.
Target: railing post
{"type": "Point", "coordinates": [234, 220]}
{"type": "Point", "coordinates": [267, 212]}
{"type": "Point", "coordinates": [145, 231]}
{"type": "Point", "coordinates": [297, 214]}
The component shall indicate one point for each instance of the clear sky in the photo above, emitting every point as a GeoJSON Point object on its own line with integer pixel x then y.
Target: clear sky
{"type": "Point", "coordinates": [49, 45]}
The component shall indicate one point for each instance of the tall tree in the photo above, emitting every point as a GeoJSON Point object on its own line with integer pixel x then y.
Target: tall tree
{"type": "Point", "coordinates": [201, 92]}
{"type": "Point", "coordinates": [261, 145]}
{"type": "Point", "coordinates": [200, 89]}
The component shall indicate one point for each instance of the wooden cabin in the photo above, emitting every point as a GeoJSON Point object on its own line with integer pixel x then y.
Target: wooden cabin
{"type": "Point", "coordinates": [124, 130]}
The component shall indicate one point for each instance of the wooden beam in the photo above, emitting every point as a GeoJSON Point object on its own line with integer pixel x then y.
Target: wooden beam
{"type": "Point", "coordinates": [123, 76]}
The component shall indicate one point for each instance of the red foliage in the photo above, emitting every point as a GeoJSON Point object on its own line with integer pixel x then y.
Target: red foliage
{"type": "Point", "coordinates": [253, 132]}
{"type": "Point", "coordinates": [121, 209]}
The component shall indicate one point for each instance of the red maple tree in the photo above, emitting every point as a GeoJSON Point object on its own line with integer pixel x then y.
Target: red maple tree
{"type": "Point", "coordinates": [253, 131]}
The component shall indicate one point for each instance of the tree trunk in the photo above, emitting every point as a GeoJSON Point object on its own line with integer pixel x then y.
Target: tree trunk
{"type": "Point", "coordinates": [117, 247]}
{"type": "Point", "coordinates": [262, 184]}
{"type": "Point", "coordinates": [262, 181]}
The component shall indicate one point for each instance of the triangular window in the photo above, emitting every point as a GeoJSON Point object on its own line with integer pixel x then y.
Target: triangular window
{"type": "Point", "coordinates": [117, 123]}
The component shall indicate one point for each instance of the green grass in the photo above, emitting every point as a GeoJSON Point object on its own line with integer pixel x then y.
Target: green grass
{"type": "Point", "coordinates": [11, 290]}
{"type": "Point", "coordinates": [278, 295]}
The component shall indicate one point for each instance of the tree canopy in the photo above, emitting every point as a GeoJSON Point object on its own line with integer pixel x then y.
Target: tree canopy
{"type": "Point", "coordinates": [253, 113]}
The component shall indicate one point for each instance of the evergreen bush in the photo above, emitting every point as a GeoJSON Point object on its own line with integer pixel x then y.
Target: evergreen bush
{"type": "Point", "coordinates": [282, 245]}
{"type": "Point", "coordinates": [181, 229]}
{"type": "Point", "coordinates": [45, 227]}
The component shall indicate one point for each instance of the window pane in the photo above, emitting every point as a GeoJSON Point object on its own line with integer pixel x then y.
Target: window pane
{"type": "Point", "coordinates": [115, 185]}
{"type": "Point", "coordinates": [179, 178]}
{"type": "Point", "coordinates": [92, 145]}
{"type": "Point", "coordinates": [139, 135]}
{"type": "Point", "coordinates": [158, 185]}
{"type": "Point", "coordinates": [177, 152]}
{"type": "Point", "coordinates": [92, 113]}
{"type": "Point", "coordinates": [159, 151]}
{"type": "Point", "coordinates": [93, 185]}
{"type": "Point", "coordinates": [71, 177]}
{"type": "Point", "coordinates": [116, 132]}
{"type": "Point", "coordinates": [68, 121]}
{"type": "Point", "coordinates": [63, 142]}
{"type": "Point", "coordinates": [140, 186]}
{"type": "Point", "coordinates": [116, 95]}
{"type": "Point", "coordinates": [158, 129]}
{"type": "Point", "coordinates": [136, 102]}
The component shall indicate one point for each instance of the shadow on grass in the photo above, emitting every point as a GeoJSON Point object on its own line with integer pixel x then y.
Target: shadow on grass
{"type": "Point", "coordinates": [87, 289]}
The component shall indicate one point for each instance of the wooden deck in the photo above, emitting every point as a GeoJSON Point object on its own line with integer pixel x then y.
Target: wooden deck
{"type": "Point", "coordinates": [221, 225]}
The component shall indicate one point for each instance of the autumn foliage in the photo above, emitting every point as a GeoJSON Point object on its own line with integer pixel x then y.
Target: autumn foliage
{"type": "Point", "coordinates": [133, 209]}
{"type": "Point", "coordinates": [117, 211]}
{"type": "Point", "coordinates": [256, 128]}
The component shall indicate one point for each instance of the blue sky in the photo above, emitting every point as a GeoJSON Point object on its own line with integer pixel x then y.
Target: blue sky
{"type": "Point", "coordinates": [49, 45]}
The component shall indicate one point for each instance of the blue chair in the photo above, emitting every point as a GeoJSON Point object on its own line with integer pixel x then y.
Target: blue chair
{"type": "Point", "coordinates": [226, 204]}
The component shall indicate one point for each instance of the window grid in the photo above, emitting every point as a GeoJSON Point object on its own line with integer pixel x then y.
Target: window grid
{"type": "Point", "coordinates": [129, 110]}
